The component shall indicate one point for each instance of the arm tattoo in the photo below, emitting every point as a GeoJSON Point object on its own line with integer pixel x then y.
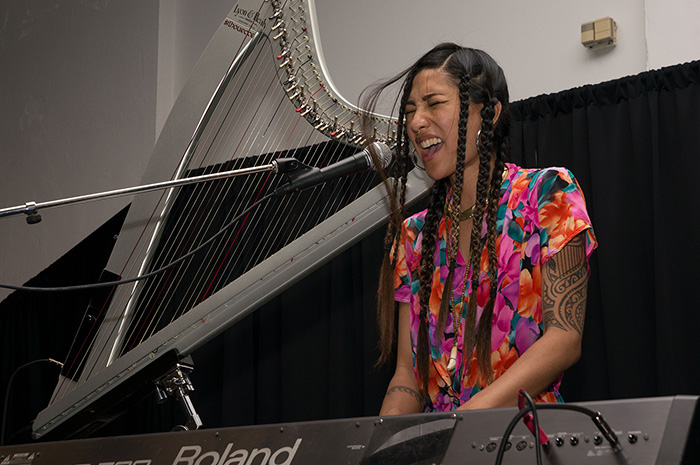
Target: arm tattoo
{"type": "Point", "coordinates": [564, 288]}
{"type": "Point", "coordinates": [408, 391]}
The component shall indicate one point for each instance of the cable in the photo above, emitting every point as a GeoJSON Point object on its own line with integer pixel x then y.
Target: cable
{"type": "Point", "coordinates": [509, 429]}
{"type": "Point", "coordinates": [81, 287]}
{"type": "Point", "coordinates": [536, 431]}
{"type": "Point", "coordinates": [596, 417]}
{"type": "Point", "coordinates": [9, 386]}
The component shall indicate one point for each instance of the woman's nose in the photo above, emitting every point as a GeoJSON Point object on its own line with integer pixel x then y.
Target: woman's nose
{"type": "Point", "coordinates": [418, 122]}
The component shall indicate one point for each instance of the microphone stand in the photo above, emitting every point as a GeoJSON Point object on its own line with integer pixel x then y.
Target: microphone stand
{"type": "Point", "coordinates": [31, 209]}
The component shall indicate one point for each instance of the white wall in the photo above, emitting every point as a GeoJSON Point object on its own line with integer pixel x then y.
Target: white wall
{"type": "Point", "coordinates": [673, 35]}
{"type": "Point", "coordinates": [184, 31]}
{"type": "Point", "coordinates": [77, 100]}
{"type": "Point", "coordinates": [538, 42]}
{"type": "Point", "coordinates": [85, 85]}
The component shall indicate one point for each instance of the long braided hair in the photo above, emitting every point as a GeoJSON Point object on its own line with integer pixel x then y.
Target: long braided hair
{"type": "Point", "coordinates": [481, 81]}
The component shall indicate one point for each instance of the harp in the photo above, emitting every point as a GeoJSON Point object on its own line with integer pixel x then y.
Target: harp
{"type": "Point", "coordinates": [260, 91]}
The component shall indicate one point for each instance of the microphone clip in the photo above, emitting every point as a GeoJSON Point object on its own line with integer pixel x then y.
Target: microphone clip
{"type": "Point", "coordinates": [293, 170]}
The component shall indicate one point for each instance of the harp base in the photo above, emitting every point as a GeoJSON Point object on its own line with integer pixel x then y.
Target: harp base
{"type": "Point", "coordinates": [137, 388]}
{"type": "Point", "coordinates": [177, 384]}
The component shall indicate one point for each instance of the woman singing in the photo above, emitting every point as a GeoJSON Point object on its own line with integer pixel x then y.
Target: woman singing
{"type": "Point", "coordinates": [491, 278]}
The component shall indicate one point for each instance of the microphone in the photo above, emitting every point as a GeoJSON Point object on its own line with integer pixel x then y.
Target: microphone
{"type": "Point", "coordinates": [361, 161]}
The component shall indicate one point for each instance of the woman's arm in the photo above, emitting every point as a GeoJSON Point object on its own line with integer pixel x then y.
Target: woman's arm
{"type": "Point", "coordinates": [564, 292]}
{"type": "Point", "coordinates": [402, 395]}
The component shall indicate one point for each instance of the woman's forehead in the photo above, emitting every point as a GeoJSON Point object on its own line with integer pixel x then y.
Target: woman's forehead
{"type": "Point", "coordinates": [431, 81]}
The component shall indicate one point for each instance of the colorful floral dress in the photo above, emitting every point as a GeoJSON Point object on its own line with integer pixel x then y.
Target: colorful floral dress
{"type": "Point", "coordinates": [540, 211]}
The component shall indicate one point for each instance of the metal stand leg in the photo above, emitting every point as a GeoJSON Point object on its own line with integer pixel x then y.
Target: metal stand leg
{"type": "Point", "coordinates": [177, 384]}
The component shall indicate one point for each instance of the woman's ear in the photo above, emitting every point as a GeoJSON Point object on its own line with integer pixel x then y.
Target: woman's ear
{"type": "Point", "coordinates": [498, 107]}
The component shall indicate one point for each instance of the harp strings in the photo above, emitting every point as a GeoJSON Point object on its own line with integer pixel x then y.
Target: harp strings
{"type": "Point", "coordinates": [313, 158]}
{"type": "Point", "coordinates": [225, 144]}
{"type": "Point", "coordinates": [85, 345]}
{"type": "Point", "coordinates": [212, 147]}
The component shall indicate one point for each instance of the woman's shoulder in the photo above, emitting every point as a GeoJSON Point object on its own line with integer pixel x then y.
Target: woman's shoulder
{"type": "Point", "coordinates": [542, 181]}
{"type": "Point", "coordinates": [416, 220]}
{"type": "Point", "coordinates": [411, 229]}
{"type": "Point", "coordinates": [516, 172]}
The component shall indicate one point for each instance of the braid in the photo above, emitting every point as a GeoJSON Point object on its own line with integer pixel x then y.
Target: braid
{"type": "Point", "coordinates": [403, 170]}
{"type": "Point", "coordinates": [430, 233]}
{"type": "Point", "coordinates": [454, 207]}
{"type": "Point", "coordinates": [386, 307]}
{"type": "Point", "coordinates": [386, 310]}
{"type": "Point", "coordinates": [482, 206]}
{"type": "Point", "coordinates": [491, 218]}
{"type": "Point", "coordinates": [483, 333]}
{"type": "Point", "coordinates": [475, 250]}
{"type": "Point", "coordinates": [403, 146]}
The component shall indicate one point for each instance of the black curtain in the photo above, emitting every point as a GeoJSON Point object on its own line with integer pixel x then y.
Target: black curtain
{"type": "Point", "coordinates": [309, 353]}
{"type": "Point", "coordinates": [633, 145]}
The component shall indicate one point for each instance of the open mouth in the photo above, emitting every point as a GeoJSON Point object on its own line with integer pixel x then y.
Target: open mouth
{"type": "Point", "coordinates": [429, 147]}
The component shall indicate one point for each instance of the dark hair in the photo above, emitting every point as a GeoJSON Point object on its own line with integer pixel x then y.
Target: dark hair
{"type": "Point", "coordinates": [480, 80]}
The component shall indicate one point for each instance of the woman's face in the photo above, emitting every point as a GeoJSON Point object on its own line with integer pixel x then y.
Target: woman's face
{"type": "Point", "coordinates": [432, 117]}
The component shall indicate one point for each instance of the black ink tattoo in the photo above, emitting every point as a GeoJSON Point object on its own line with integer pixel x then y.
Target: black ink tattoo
{"type": "Point", "coordinates": [564, 288]}
{"type": "Point", "coordinates": [407, 390]}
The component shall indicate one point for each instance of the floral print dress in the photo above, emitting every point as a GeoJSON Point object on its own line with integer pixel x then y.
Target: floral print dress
{"type": "Point", "coordinates": [540, 211]}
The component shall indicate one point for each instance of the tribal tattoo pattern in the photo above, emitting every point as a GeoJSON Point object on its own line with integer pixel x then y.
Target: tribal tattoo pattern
{"type": "Point", "coordinates": [564, 288]}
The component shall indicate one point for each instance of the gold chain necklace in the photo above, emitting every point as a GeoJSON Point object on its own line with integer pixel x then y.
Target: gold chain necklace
{"type": "Point", "coordinates": [464, 215]}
